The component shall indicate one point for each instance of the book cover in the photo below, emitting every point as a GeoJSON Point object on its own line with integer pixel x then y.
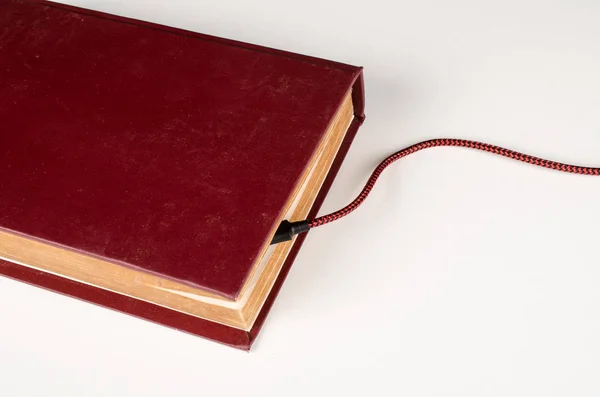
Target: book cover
{"type": "Point", "coordinates": [164, 158]}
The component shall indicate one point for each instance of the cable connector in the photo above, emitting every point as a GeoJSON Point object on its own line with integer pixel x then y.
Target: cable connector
{"type": "Point", "coordinates": [287, 230]}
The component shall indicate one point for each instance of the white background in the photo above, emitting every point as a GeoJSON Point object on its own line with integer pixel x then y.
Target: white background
{"type": "Point", "coordinates": [462, 275]}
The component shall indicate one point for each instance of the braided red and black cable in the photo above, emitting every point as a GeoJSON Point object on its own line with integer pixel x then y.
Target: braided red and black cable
{"type": "Point", "coordinates": [287, 230]}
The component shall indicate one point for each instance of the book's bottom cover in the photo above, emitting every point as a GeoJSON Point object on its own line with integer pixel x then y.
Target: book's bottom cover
{"type": "Point", "coordinates": [221, 333]}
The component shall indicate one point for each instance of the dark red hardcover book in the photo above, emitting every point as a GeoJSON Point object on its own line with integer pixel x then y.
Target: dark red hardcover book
{"type": "Point", "coordinates": [156, 163]}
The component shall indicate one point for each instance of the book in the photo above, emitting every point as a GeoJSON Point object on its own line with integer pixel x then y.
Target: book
{"type": "Point", "coordinates": [146, 168]}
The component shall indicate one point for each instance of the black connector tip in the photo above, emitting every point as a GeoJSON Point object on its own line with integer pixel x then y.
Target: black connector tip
{"type": "Point", "coordinates": [287, 230]}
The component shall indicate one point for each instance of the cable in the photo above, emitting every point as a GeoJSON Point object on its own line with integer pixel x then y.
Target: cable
{"type": "Point", "coordinates": [287, 230]}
